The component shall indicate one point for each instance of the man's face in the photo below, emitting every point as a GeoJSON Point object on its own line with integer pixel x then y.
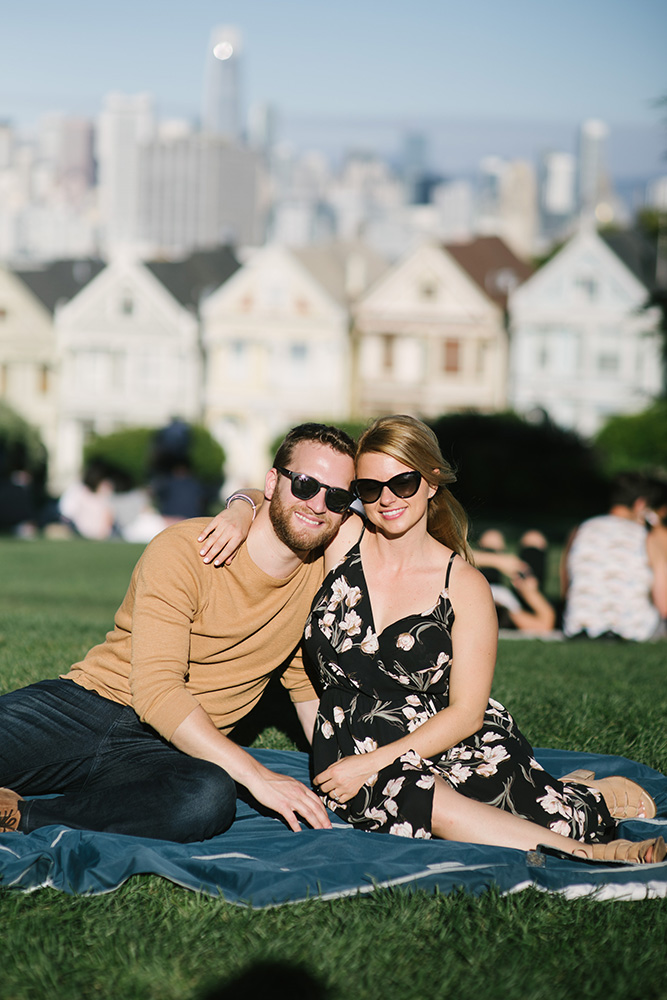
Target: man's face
{"type": "Point", "coordinates": [304, 525]}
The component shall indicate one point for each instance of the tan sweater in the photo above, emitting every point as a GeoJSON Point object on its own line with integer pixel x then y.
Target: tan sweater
{"type": "Point", "coordinates": [189, 634]}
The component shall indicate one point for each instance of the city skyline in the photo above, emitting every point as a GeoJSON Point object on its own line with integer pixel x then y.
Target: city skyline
{"type": "Point", "coordinates": [522, 74]}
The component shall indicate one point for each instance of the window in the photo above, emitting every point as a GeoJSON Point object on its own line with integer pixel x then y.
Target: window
{"type": "Point", "coordinates": [428, 289]}
{"type": "Point", "coordinates": [388, 352]}
{"type": "Point", "coordinates": [3, 313]}
{"type": "Point", "coordinates": [127, 305]}
{"type": "Point", "coordinates": [298, 353]}
{"type": "Point", "coordinates": [43, 379]}
{"type": "Point", "coordinates": [588, 286]}
{"type": "Point", "coordinates": [451, 360]}
{"type": "Point", "coordinates": [608, 363]}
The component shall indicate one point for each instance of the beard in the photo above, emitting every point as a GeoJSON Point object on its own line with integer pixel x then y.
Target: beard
{"type": "Point", "coordinates": [295, 538]}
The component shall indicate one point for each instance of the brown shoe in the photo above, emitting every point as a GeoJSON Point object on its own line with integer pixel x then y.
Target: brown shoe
{"type": "Point", "coordinates": [10, 814]}
{"type": "Point", "coordinates": [643, 852]}
{"type": "Point", "coordinates": [625, 799]}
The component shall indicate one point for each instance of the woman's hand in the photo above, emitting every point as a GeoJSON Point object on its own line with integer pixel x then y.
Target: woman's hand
{"type": "Point", "coordinates": [225, 533]}
{"type": "Point", "coordinates": [341, 781]}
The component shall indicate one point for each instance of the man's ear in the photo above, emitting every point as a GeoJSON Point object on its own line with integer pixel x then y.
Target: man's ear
{"type": "Point", "coordinates": [270, 483]}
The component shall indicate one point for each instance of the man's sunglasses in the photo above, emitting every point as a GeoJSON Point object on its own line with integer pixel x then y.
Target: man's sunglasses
{"type": "Point", "coordinates": [305, 488]}
{"type": "Point", "coordinates": [404, 485]}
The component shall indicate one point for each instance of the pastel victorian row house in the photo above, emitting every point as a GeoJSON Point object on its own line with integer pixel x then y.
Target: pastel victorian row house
{"type": "Point", "coordinates": [584, 345]}
{"type": "Point", "coordinates": [252, 344]}
{"type": "Point", "coordinates": [277, 345]}
{"type": "Point", "coordinates": [430, 336]}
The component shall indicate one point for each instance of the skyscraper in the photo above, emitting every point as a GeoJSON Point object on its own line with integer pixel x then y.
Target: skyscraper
{"type": "Point", "coordinates": [592, 180]}
{"type": "Point", "coordinates": [221, 112]}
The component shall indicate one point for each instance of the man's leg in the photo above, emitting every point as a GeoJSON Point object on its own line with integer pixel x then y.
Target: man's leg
{"type": "Point", "coordinates": [114, 773]}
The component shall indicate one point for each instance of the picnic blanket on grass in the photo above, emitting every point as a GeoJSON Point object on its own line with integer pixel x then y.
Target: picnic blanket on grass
{"type": "Point", "coordinates": [259, 862]}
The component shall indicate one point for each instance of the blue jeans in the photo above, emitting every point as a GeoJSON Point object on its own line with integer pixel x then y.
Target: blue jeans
{"type": "Point", "coordinates": [110, 770]}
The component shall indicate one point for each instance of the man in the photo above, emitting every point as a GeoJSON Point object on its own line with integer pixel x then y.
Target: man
{"type": "Point", "coordinates": [133, 739]}
{"type": "Point", "coordinates": [614, 574]}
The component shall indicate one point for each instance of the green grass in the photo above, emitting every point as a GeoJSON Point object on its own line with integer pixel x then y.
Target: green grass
{"type": "Point", "coordinates": [151, 939]}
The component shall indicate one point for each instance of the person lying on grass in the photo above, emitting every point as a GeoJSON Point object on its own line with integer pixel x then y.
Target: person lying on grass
{"type": "Point", "coordinates": [134, 738]}
{"type": "Point", "coordinates": [402, 636]}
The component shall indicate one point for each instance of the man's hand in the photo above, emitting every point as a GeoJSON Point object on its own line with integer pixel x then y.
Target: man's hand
{"type": "Point", "coordinates": [198, 737]}
{"type": "Point", "coordinates": [289, 798]}
{"type": "Point", "coordinates": [341, 781]}
{"type": "Point", "coordinates": [225, 533]}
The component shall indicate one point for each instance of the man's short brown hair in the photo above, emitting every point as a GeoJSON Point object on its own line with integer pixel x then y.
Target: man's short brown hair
{"type": "Point", "coordinates": [325, 434]}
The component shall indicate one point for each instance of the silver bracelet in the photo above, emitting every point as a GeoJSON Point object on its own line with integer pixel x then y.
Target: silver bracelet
{"type": "Point", "coordinates": [243, 496]}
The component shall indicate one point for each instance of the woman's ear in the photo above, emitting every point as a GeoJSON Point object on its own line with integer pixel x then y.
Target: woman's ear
{"type": "Point", "coordinates": [432, 490]}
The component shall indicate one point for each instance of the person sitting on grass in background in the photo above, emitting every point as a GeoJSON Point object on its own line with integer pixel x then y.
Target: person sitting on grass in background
{"type": "Point", "coordinates": [402, 638]}
{"type": "Point", "coordinates": [522, 605]}
{"type": "Point", "coordinates": [133, 739]}
{"type": "Point", "coordinates": [614, 568]}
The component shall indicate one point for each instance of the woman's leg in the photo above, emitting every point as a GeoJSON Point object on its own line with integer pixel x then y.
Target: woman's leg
{"type": "Point", "coordinates": [456, 817]}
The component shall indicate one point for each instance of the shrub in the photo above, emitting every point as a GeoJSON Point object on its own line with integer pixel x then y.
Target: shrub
{"type": "Point", "coordinates": [512, 469]}
{"type": "Point", "coordinates": [21, 447]}
{"type": "Point", "coordinates": [129, 453]}
{"type": "Point", "coordinates": [638, 441]}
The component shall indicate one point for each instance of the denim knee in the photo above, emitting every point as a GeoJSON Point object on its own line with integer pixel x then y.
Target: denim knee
{"type": "Point", "coordinates": [203, 804]}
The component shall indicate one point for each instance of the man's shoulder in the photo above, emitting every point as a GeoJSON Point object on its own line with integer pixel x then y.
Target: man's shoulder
{"type": "Point", "coordinates": [180, 537]}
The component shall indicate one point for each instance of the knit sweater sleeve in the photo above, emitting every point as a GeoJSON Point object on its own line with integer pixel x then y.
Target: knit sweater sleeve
{"type": "Point", "coordinates": [168, 596]}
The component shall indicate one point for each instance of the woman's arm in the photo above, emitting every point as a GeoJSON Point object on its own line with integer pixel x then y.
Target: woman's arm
{"type": "Point", "coordinates": [541, 617]}
{"type": "Point", "coordinates": [226, 532]}
{"type": "Point", "coordinates": [474, 640]}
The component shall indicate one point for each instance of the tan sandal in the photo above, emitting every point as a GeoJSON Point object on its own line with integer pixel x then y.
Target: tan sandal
{"type": "Point", "coordinates": [633, 852]}
{"type": "Point", "coordinates": [622, 796]}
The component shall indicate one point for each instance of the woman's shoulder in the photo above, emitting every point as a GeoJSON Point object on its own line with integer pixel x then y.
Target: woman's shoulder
{"type": "Point", "coordinates": [466, 579]}
{"type": "Point", "coordinates": [348, 535]}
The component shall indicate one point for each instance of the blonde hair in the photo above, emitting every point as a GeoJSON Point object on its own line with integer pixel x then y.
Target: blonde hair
{"type": "Point", "coordinates": [411, 442]}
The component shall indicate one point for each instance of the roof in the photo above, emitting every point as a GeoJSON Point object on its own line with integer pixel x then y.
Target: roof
{"type": "Point", "coordinates": [193, 278]}
{"type": "Point", "coordinates": [61, 280]}
{"type": "Point", "coordinates": [638, 253]}
{"type": "Point", "coordinates": [345, 270]}
{"type": "Point", "coordinates": [492, 265]}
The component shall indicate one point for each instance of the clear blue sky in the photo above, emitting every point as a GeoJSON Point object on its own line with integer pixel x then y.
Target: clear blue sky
{"type": "Point", "coordinates": [507, 60]}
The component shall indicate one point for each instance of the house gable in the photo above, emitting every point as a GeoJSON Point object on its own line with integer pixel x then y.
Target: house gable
{"type": "Point", "coordinates": [427, 286]}
{"type": "Point", "coordinates": [586, 275]}
{"type": "Point", "coordinates": [125, 297]}
{"type": "Point", "coordinates": [273, 286]}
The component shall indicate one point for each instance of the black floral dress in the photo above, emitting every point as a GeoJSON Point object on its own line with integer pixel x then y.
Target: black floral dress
{"type": "Point", "coordinates": [376, 688]}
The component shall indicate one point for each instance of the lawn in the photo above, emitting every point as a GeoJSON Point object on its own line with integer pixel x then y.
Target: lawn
{"type": "Point", "coordinates": [152, 939]}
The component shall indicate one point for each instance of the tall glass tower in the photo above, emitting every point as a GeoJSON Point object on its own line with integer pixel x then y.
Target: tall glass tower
{"type": "Point", "coordinates": [221, 113]}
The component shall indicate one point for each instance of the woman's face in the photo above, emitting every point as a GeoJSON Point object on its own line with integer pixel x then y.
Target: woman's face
{"type": "Point", "coordinates": [394, 515]}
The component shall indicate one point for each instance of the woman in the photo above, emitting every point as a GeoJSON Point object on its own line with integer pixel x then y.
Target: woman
{"type": "Point", "coordinates": [403, 636]}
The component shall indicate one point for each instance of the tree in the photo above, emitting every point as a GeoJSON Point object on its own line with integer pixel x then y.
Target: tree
{"type": "Point", "coordinates": [637, 441]}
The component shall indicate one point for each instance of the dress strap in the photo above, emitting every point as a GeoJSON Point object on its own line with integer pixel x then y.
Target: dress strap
{"type": "Point", "coordinates": [449, 569]}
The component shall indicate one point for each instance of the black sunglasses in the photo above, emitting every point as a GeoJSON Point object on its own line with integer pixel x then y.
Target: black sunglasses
{"type": "Point", "coordinates": [404, 485]}
{"type": "Point", "coordinates": [305, 488]}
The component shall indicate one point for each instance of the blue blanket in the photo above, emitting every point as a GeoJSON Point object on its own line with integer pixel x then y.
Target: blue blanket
{"type": "Point", "coordinates": [260, 863]}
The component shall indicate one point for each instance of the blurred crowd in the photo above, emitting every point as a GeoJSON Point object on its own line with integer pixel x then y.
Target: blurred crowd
{"type": "Point", "coordinates": [104, 504]}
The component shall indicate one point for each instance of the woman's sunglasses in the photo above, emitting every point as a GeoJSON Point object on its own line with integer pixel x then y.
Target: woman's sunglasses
{"type": "Point", "coordinates": [305, 488]}
{"type": "Point", "coordinates": [404, 485]}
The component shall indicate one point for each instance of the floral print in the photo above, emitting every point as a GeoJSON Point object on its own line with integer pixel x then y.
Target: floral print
{"type": "Point", "coordinates": [376, 688]}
